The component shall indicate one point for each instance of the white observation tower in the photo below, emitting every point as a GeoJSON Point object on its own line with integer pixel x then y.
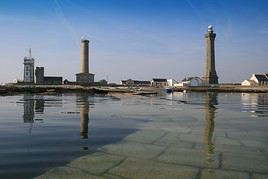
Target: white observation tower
{"type": "Point", "coordinates": [29, 68]}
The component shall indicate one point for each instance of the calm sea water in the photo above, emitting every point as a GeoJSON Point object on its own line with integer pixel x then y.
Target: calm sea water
{"type": "Point", "coordinates": [39, 132]}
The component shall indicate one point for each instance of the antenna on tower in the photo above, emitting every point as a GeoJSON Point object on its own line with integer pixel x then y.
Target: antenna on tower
{"type": "Point", "coordinates": [30, 52]}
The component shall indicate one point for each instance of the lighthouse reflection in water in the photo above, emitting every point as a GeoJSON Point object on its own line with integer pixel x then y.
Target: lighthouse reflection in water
{"type": "Point", "coordinates": [83, 104]}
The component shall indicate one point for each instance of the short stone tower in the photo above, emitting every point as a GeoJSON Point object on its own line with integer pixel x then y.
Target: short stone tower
{"type": "Point", "coordinates": [39, 73]}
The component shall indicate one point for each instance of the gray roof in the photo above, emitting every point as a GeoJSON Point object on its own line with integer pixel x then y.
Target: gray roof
{"type": "Point", "coordinates": [159, 80]}
{"type": "Point", "coordinates": [190, 78]}
{"type": "Point", "coordinates": [261, 77]}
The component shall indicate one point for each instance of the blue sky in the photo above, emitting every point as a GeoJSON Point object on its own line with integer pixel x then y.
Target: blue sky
{"type": "Point", "coordinates": [138, 39]}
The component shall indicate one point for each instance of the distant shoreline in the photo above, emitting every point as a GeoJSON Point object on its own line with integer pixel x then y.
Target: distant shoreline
{"type": "Point", "coordinates": [225, 89]}
{"type": "Point", "coordinates": [53, 89]}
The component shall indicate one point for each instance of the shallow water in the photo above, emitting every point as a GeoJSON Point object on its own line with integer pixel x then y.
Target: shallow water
{"type": "Point", "coordinates": [221, 131]}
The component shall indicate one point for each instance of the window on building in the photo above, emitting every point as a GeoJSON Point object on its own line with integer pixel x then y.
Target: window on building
{"type": "Point", "coordinates": [26, 73]}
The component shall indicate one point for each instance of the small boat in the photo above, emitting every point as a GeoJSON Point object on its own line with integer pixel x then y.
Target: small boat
{"type": "Point", "coordinates": [168, 90]}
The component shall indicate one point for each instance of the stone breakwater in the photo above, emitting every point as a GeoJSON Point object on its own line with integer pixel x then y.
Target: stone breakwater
{"type": "Point", "coordinates": [14, 89]}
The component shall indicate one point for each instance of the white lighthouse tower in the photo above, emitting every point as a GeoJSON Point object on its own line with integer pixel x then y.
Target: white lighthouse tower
{"type": "Point", "coordinates": [29, 69]}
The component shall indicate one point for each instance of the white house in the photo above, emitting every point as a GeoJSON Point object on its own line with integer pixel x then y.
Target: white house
{"type": "Point", "coordinates": [256, 79]}
{"type": "Point", "coordinates": [248, 83]}
{"type": "Point", "coordinates": [172, 82]}
{"type": "Point", "coordinates": [191, 81]}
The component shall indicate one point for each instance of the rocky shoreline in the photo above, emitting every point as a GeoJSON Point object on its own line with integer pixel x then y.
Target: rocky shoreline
{"type": "Point", "coordinates": [52, 89]}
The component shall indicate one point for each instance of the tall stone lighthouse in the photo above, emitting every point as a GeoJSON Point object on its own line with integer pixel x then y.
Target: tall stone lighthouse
{"type": "Point", "coordinates": [84, 55]}
{"type": "Point", "coordinates": [84, 76]}
{"type": "Point", "coordinates": [211, 74]}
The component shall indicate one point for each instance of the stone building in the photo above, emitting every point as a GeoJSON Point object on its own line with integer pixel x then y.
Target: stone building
{"type": "Point", "coordinates": [131, 82]}
{"type": "Point", "coordinates": [46, 80]}
{"type": "Point", "coordinates": [84, 78]}
{"type": "Point", "coordinates": [159, 82]}
{"type": "Point", "coordinates": [40, 74]}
